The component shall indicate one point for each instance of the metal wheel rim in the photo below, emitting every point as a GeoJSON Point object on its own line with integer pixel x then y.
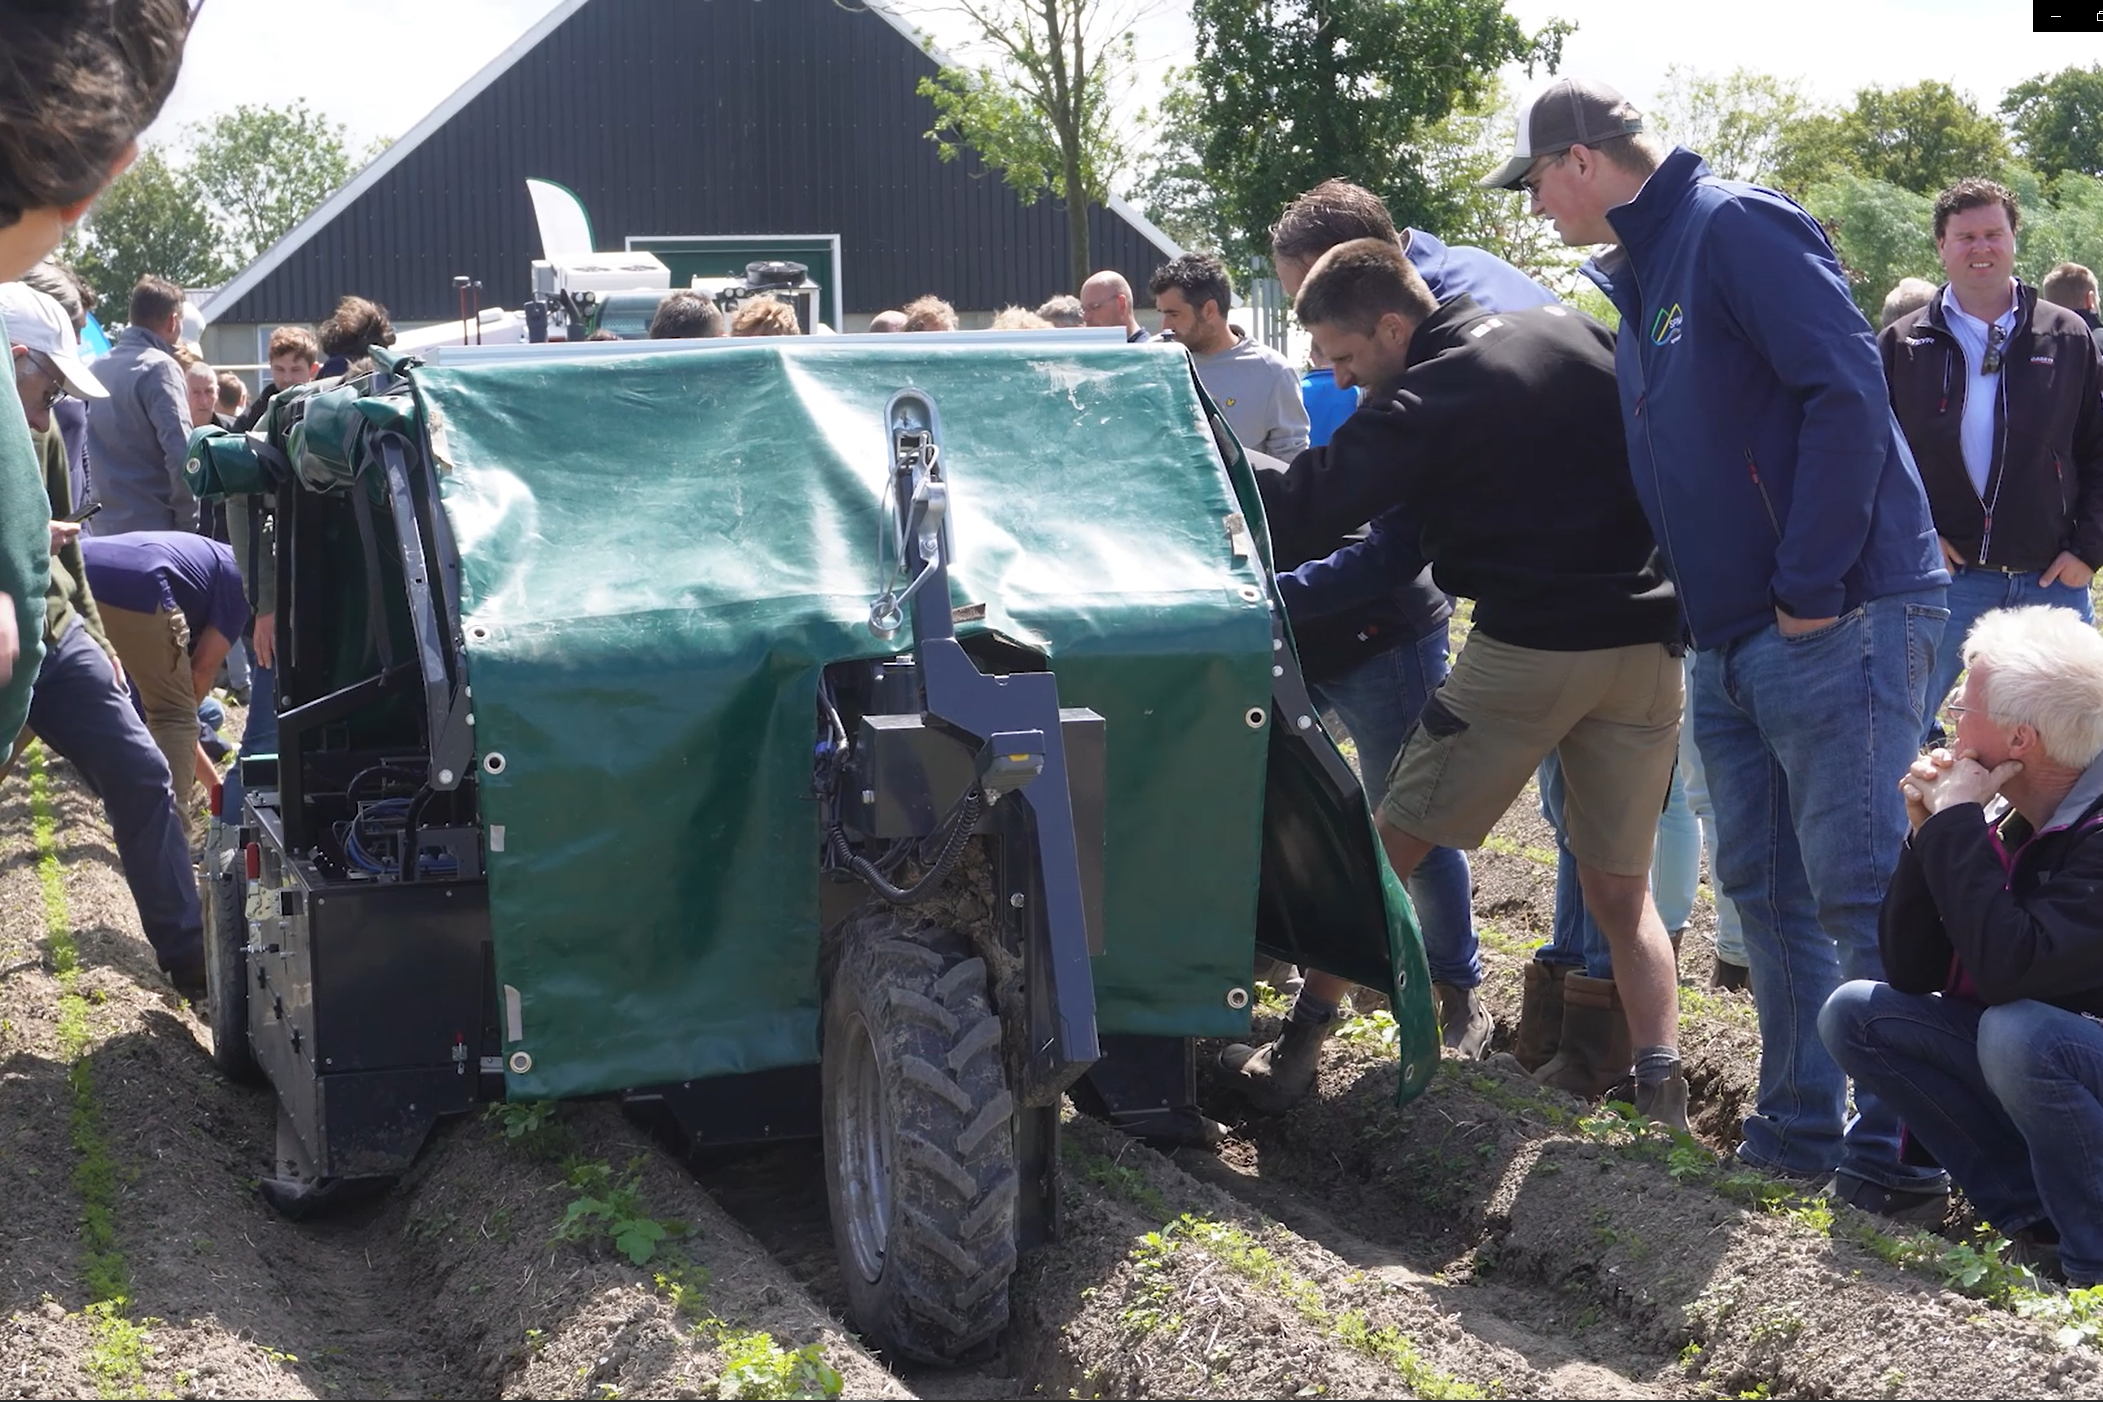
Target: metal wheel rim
{"type": "Point", "coordinates": [865, 1152]}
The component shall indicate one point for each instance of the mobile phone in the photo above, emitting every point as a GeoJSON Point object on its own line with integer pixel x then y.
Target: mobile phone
{"type": "Point", "coordinates": [84, 513]}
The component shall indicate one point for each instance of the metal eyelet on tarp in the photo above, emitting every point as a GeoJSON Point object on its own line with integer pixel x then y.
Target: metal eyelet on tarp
{"type": "Point", "coordinates": [493, 762]}
{"type": "Point", "coordinates": [1255, 717]}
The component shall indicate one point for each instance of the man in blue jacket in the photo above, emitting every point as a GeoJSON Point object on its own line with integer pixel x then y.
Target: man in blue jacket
{"type": "Point", "coordinates": [1792, 518]}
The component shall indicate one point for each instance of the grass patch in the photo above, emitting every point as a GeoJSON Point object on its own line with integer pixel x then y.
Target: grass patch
{"type": "Point", "coordinates": [1504, 846]}
{"type": "Point", "coordinates": [1150, 1300]}
{"type": "Point", "coordinates": [118, 1350]}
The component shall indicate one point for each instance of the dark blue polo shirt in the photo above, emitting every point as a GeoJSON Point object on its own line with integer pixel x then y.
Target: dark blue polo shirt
{"type": "Point", "coordinates": [154, 571]}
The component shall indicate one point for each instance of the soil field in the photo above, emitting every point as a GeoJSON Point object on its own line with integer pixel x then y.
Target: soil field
{"type": "Point", "coordinates": [1487, 1240]}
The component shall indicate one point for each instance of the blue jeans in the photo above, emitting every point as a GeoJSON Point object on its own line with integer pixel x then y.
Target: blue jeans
{"type": "Point", "coordinates": [1579, 943]}
{"type": "Point", "coordinates": [1730, 935]}
{"type": "Point", "coordinates": [1804, 740]}
{"type": "Point", "coordinates": [78, 711]}
{"type": "Point", "coordinates": [2009, 1099]}
{"type": "Point", "coordinates": [259, 736]}
{"type": "Point", "coordinates": [1378, 701]}
{"type": "Point", "coordinates": [1974, 591]}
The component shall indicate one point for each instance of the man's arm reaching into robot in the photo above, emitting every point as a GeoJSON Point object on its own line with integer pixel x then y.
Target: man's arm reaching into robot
{"type": "Point", "coordinates": [1360, 573]}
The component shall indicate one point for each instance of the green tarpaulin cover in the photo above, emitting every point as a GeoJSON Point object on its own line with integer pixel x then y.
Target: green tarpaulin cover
{"type": "Point", "coordinates": [660, 553]}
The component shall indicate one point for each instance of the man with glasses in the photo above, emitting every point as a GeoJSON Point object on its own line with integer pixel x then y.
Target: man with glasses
{"type": "Point", "coordinates": [1106, 300]}
{"type": "Point", "coordinates": [1997, 392]}
{"type": "Point", "coordinates": [79, 706]}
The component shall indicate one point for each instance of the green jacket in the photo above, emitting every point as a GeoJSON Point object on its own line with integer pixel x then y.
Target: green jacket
{"type": "Point", "coordinates": [67, 598]}
{"type": "Point", "coordinates": [25, 559]}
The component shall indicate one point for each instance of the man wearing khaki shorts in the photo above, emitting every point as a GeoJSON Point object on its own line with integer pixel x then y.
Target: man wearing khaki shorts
{"type": "Point", "coordinates": [1491, 445]}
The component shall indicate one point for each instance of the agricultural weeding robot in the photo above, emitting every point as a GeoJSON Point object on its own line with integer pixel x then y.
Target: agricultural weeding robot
{"type": "Point", "coordinates": [746, 747]}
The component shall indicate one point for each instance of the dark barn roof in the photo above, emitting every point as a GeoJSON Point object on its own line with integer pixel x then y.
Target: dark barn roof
{"type": "Point", "coordinates": [684, 117]}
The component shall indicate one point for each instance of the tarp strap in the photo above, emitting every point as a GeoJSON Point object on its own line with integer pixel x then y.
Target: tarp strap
{"type": "Point", "coordinates": [375, 596]}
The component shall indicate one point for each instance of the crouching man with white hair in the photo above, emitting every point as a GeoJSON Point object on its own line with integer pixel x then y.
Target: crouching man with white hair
{"type": "Point", "coordinates": [1985, 1038]}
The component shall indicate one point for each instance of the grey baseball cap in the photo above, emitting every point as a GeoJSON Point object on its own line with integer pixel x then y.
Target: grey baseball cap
{"type": "Point", "coordinates": [1571, 112]}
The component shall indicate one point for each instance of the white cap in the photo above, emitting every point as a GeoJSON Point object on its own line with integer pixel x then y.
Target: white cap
{"type": "Point", "coordinates": [36, 321]}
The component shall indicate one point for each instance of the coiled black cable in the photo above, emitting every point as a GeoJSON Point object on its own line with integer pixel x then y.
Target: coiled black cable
{"type": "Point", "coordinates": [956, 832]}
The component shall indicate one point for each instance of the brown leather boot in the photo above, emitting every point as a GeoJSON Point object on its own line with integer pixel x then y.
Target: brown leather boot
{"type": "Point", "coordinates": [1540, 1014]}
{"type": "Point", "coordinates": [1596, 1051]}
{"type": "Point", "coordinates": [1464, 1023]}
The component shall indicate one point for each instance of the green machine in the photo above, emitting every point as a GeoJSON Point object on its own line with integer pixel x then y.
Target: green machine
{"type": "Point", "coordinates": [879, 740]}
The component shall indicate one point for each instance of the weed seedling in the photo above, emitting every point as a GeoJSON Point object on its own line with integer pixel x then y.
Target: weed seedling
{"type": "Point", "coordinates": [754, 1366]}
{"type": "Point", "coordinates": [614, 1210]}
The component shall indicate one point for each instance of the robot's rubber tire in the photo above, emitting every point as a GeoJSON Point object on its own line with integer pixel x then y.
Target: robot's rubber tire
{"type": "Point", "coordinates": [226, 977]}
{"type": "Point", "coordinates": [919, 1138]}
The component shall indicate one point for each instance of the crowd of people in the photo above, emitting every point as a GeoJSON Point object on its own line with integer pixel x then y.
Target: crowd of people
{"type": "Point", "coordinates": [1728, 562]}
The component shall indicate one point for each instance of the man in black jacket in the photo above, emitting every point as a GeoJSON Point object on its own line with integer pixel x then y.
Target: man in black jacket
{"type": "Point", "coordinates": [1986, 1037]}
{"type": "Point", "coordinates": [1997, 393]}
{"type": "Point", "coordinates": [1576, 625]}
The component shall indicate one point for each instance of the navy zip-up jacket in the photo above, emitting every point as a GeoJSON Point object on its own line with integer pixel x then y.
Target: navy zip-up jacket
{"type": "Point", "coordinates": [1388, 557]}
{"type": "Point", "coordinates": [1760, 431]}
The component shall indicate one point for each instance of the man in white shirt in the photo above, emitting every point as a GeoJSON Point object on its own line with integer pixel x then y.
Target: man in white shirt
{"type": "Point", "coordinates": [1997, 391]}
{"type": "Point", "coordinates": [1257, 392]}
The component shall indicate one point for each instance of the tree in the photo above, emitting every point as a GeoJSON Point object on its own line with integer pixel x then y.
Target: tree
{"type": "Point", "coordinates": [1453, 155]}
{"type": "Point", "coordinates": [1294, 92]}
{"type": "Point", "coordinates": [1736, 122]}
{"type": "Point", "coordinates": [266, 168]}
{"type": "Point", "coordinates": [1174, 189]}
{"type": "Point", "coordinates": [1040, 112]}
{"type": "Point", "coordinates": [150, 220]}
{"type": "Point", "coordinates": [2058, 120]}
{"type": "Point", "coordinates": [1922, 138]}
{"type": "Point", "coordinates": [1881, 232]}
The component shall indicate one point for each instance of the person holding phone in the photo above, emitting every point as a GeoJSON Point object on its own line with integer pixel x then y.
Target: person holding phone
{"type": "Point", "coordinates": [79, 706]}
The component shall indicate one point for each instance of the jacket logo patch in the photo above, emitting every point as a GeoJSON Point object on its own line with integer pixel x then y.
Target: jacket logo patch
{"type": "Point", "coordinates": [1920, 340]}
{"type": "Point", "coordinates": [2042, 360]}
{"type": "Point", "coordinates": [1666, 329]}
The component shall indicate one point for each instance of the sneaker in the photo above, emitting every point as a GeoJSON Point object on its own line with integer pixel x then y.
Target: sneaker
{"type": "Point", "coordinates": [1901, 1205]}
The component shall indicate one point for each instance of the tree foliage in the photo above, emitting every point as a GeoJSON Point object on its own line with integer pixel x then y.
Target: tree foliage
{"type": "Point", "coordinates": [1920, 138]}
{"type": "Point", "coordinates": [264, 169]}
{"type": "Point", "coordinates": [1737, 122]}
{"type": "Point", "coordinates": [1294, 92]}
{"type": "Point", "coordinates": [1453, 154]}
{"type": "Point", "coordinates": [1174, 189]}
{"type": "Point", "coordinates": [1881, 232]}
{"type": "Point", "coordinates": [1040, 111]}
{"type": "Point", "coordinates": [2058, 120]}
{"type": "Point", "coordinates": [149, 221]}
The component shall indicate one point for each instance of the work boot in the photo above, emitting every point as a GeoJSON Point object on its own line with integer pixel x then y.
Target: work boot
{"type": "Point", "coordinates": [1725, 975]}
{"type": "Point", "coordinates": [1665, 1103]}
{"type": "Point", "coordinates": [1595, 1051]}
{"type": "Point", "coordinates": [1540, 1014]}
{"type": "Point", "coordinates": [1464, 1023]}
{"type": "Point", "coordinates": [1277, 1076]}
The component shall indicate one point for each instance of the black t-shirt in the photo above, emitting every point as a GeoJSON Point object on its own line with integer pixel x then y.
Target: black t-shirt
{"type": "Point", "coordinates": [1503, 437]}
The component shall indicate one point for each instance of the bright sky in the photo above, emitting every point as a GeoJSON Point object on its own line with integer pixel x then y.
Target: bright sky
{"type": "Point", "coordinates": [383, 64]}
